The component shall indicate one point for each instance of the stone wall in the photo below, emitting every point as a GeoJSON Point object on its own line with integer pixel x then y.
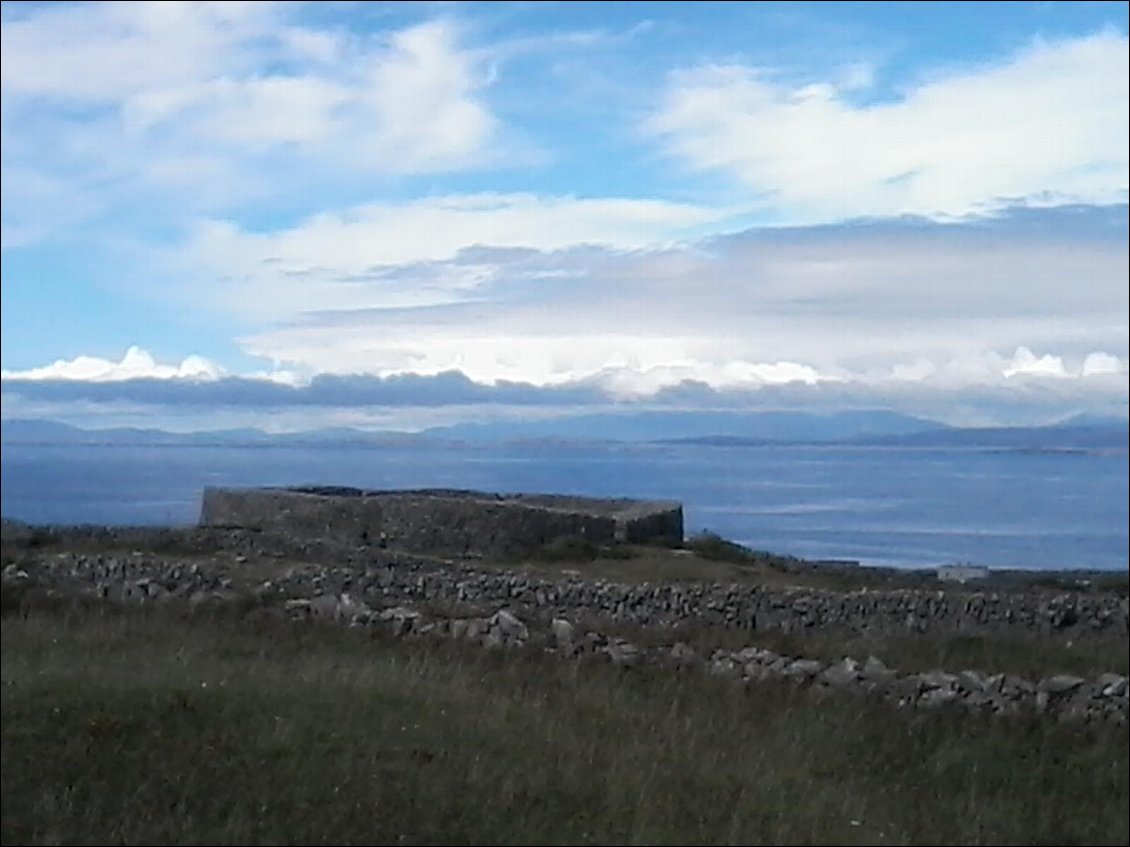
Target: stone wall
{"type": "Point", "coordinates": [391, 576]}
{"type": "Point", "coordinates": [402, 597]}
{"type": "Point", "coordinates": [753, 607]}
{"type": "Point", "coordinates": [442, 522]}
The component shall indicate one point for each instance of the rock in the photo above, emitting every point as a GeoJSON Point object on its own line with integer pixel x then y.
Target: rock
{"type": "Point", "coordinates": [475, 628]}
{"type": "Point", "coordinates": [1113, 685]}
{"type": "Point", "coordinates": [1015, 686]}
{"type": "Point", "coordinates": [396, 613]}
{"type": "Point", "coordinates": [976, 700]}
{"type": "Point", "coordinates": [402, 620]}
{"type": "Point", "coordinates": [155, 590]}
{"type": "Point", "coordinates": [993, 682]}
{"type": "Point", "coordinates": [938, 679]}
{"type": "Point", "coordinates": [323, 606]}
{"type": "Point", "coordinates": [622, 652]}
{"type": "Point", "coordinates": [755, 654]}
{"type": "Point", "coordinates": [723, 664]}
{"type": "Point", "coordinates": [684, 654]}
{"type": "Point", "coordinates": [510, 629]}
{"type": "Point", "coordinates": [937, 697]}
{"type": "Point", "coordinates": [803, 668]}
{"type": "Point", "coordinates": [353, 611]}
{"type": "Point", "coordinates": [1060, 683]}
{"type": "Point", "coordinates": [14, 573]}
{"type": "Point", "coordinates": [841, 674]}
{"type": "Point", "coordinates": [875, 671]}
{"type": "Point", "coordinates": [563, 633]}
{"type": "Point", "coordinates": [969, 680]}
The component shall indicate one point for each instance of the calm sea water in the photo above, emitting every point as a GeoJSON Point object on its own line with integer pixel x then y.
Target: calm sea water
{"type": "Point", "coordinates": [894, 506]}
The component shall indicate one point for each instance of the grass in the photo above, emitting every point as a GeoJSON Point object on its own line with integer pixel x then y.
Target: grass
{"type": "Point", "coordinates": [145, 726]}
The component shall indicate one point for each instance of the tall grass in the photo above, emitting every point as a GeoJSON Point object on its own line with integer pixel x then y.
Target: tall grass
{"type": "Point", "coordinates": [144, 726]}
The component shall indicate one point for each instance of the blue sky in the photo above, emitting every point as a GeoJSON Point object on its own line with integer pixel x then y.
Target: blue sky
{"type": "Point", "coordinates": [392, 215]}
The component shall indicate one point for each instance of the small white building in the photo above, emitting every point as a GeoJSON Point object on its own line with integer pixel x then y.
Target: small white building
{"type": "Point", "coordinates": [962, 573]}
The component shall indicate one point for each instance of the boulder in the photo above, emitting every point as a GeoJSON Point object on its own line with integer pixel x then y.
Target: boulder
{"type": "Point", "coordinates": [841, 674]}
{"type": "Point", "coordinates": [509, 628]}
{"type": "Point", "coordinates": [1060, 683]}
{"type": "Point", "coordinates": [563, 633]}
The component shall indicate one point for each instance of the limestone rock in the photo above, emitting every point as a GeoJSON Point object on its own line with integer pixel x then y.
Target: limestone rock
{"type": "Point", "coordinates": [563, 633]}
{"type": "Point", "coordinates": [803, 668]}
{"type": "Point", "coordinates": [622, 652]}
{"type": "Point", "coordinates": [875, 671]}
{"type": "Point", "coordinates": [937, 697]}
{"type": "Point", "coordinates": [401, 621]}
{"type": "Point", "coordinates": [938, 679]}
{"type": "Point", "coordinates": [683, 654]}
{"type": "Point", "coordinates": [1060, 683]}
{"type": "Point", "coordinates": [841, 674]}
{"type": "Point", "coordinates": [972, 681]}
{"type": "Point", "coordinates": [1113, 685]}
{"type": "Point", "coordinates": [509, 628]}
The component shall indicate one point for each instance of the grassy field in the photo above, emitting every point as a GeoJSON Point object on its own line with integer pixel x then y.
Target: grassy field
{"type": "Point", "coordinates": [141, 726]}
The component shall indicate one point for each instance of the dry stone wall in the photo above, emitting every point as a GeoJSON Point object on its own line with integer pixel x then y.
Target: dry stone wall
{"type": "Point", "coordinates": [388, 576]}
{"type": "Point", "coordinates": [443, 522]}
{"type": "Point", "coordinates": [529, 616]}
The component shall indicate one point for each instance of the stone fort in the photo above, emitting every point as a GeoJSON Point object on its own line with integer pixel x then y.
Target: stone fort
{"type": "Point", "coordinates": [442, 521]}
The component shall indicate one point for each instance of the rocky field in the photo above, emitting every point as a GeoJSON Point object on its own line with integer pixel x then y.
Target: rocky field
{"type": "Point", "coordinates": [223, 686]}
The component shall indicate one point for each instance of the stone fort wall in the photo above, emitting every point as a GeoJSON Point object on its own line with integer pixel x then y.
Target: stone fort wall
{"type": "Point", "coordinates": [440, 521]}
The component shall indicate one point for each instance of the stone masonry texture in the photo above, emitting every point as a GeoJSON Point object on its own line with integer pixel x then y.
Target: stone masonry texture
{"type": "Point", "coordinates": [442, 522]}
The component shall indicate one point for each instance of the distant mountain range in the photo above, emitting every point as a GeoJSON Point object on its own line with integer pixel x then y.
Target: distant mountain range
{"type": "Point", "coordinates": [705, 428]}
{"type": "Point", "coordinates": [24, 431]}
{"type": "Point", "coordinates": [697, 425]}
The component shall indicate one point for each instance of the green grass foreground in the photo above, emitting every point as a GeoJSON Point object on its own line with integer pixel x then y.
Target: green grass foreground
{"type": "Point", "coordinates": [146, 726]}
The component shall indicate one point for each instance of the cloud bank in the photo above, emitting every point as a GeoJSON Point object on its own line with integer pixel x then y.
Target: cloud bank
{"type": "Point", "coordinates": [1030, 304]}
{"type": "Point", "coordinates": [899, 299]}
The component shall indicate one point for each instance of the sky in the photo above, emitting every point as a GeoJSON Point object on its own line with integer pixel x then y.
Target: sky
{"type": "Point", "coordinates": [399, 215]}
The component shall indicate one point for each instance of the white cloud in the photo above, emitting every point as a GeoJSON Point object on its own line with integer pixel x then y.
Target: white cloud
{"type": "Point", "coordinates": [628, 382]}
{"type": "Point", "coordinates": [421, 95]}
{"type": "Point", "coordinates": [1025, 362]}
{"type": "Point", "coordinates": [135, 364]}
{"type": "Point", "coordinates": [404, 104]}
{"type": "Point", "coordinates": [1048, 124]}
{"type": "Point", "coordinates": [929, 303]}
{"type": "Point", "coordinates": [109, 52]}
{"type": "Point", "coordinates": [986, 367]}
{"type": "Point", "coordinates": [1097, 364]}
{"type": "Point", "coordinates": [218, 105]}
{"type": "Point", "coordinates": [365, 257]}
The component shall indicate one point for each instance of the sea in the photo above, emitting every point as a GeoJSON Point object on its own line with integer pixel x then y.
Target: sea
{"type": "Point", "coordinates": [877, 505]}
